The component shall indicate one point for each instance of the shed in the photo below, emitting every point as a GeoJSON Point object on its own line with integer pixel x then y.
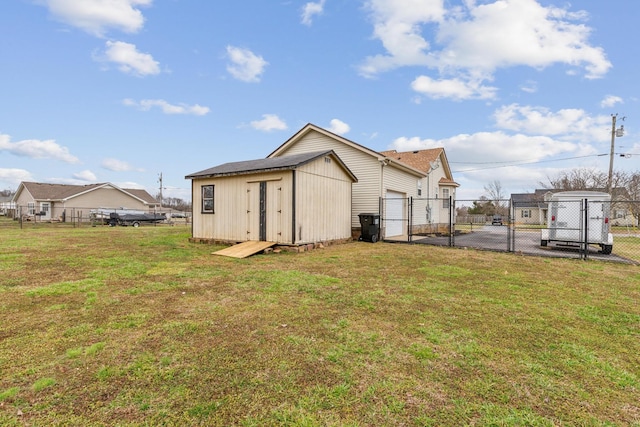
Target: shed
{"type": "Point", "coordinates": [292, 200]}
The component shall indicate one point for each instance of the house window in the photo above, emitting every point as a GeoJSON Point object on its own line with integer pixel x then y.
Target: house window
{"type": "Point", "coordinates": [445, 198]}
{"type": "Point", "coordinates": [31, 208]}
{"type": "Point", "coordinates": [525, 213]}
{"type": "Point", "coordinates": [207, 198]}
{"type": "Point", "coordinates": [620, 213]}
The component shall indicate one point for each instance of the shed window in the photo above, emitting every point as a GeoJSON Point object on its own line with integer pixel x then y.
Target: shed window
{"type": "Point", "coordinates": [207, 198]}
{"type": "Point", "coordinates": [525, 213]}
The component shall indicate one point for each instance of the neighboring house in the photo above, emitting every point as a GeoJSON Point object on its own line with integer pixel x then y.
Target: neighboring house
{"type": "Point", "coordinates": [294, 200]}
{"type": "Point", "coordinates": [6, 205]}
{"type": "Point", "coordinates": [623, 209]}
{"type": "Point", "coordinates": [531, 208]}
{"type": "Point", "coordinates": [61, 202]}
{"type": "Point", "coordinates": [384, 182]}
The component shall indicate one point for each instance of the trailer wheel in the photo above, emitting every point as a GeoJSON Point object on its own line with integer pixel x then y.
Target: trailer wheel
{"type": "Point", "coordinates": [136, 224]}
{"type": "Point", "coordinates": [543, 243]}
{"type": "Point", "coordinates": [606, 249]}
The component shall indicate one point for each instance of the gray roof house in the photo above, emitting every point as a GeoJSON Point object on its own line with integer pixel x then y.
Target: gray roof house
{"type": "Point", "coordinates": [60, 201]}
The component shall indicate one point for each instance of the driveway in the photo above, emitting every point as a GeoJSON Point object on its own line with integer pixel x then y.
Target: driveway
{"type": "Point", "coordinates": [495, 237]}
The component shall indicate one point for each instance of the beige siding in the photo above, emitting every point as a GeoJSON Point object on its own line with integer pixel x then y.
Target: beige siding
{"type": "Point", "coordinates": [105, 197]}
{"type": "Point", "coordinates": [323, 202]}
{"type": "Point", "coordinates": [237, 208]}
{"type": "Point", "coordinates": [441, 214]}
{"type": "Point", "coordinates": [366, 168]}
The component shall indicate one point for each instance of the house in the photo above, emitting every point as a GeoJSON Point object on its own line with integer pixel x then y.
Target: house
{"type": "Point", "coordinates": [7, 207]}
{"type": "Point", "coordinates": [62, 202]}
{"type": "Point", "coordinates": [294, 200]}
{"type": "Point", "coordinates": [440, 188]}
{"type": "Point", "coordinates": [531, 208]}
{"type": "Point", "coordinates": [386, 182]}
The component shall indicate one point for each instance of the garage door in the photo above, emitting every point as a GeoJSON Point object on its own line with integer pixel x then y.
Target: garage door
{"type": "Point", "coordinates": [394, 214]}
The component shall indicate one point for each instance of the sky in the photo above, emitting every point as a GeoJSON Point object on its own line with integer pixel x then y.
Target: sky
{"type": "Point", "coordinates": [126, 91]}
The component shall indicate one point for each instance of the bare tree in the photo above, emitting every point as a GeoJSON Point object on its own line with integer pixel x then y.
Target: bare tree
{"type": "Point", "coordinates": [578, 179]}
{"type": "Point", "coordinates": [495, 193]}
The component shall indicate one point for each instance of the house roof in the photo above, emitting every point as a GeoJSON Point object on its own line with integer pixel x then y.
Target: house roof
{"type": "Point", "coordinates": [309, 127]}
{"type": "Point", "coordinates": [424, 160]}
{"type": "Point", "coordinates": [62, 192]}
{"type": "Point", "coordinates": [267, 165]}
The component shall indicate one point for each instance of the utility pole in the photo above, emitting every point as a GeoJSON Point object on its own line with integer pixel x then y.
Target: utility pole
{"type": "Point", "coordinates": [160, 180]}
{"type": "Point", "coordinates": [614, 133]}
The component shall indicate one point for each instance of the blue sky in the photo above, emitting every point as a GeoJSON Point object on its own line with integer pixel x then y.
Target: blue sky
{"type": "Point", "coordinates": [122, 90]}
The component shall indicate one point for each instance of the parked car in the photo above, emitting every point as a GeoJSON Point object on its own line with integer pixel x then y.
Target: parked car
{"type": "Point", "coordinates": [496, 220]}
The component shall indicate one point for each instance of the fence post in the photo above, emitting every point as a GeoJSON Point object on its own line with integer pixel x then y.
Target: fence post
{"type": "Point", "coordinates": [451, 240]}
{"type": "Point", "coordinates": [586, 229]}
{"type": "Point", "coordinates": [410, 222]}
{"type": "Point", "coordinates": [511, 232]}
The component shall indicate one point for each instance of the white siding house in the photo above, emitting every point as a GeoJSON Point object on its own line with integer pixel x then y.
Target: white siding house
{"type": "Point", "coordinates": [382, 177]}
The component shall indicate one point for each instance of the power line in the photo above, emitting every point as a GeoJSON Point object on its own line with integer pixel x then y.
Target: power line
{"type": "Point", "coordinates": [510, 163]}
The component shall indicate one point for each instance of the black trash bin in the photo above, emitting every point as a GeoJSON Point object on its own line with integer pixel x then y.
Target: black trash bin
{"type": "Point", "coordinates": [369, 226]}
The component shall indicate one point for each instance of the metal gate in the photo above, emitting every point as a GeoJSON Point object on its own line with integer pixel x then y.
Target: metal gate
{"type": "Point", "coordinates": [515, 227]}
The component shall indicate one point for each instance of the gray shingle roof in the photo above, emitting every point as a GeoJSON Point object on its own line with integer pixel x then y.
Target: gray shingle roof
{"type": "Point", "coordinates": [43, 191]}
{"type": "Point", "coordinates": [265, 165]}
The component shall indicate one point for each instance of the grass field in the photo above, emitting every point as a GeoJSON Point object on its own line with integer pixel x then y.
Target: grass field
{"type": "Point", "coordinates": [123, 326]}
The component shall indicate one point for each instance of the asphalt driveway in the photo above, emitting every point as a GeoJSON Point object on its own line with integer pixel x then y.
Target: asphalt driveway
{"type": "Point", "coordinates": [496, 237]}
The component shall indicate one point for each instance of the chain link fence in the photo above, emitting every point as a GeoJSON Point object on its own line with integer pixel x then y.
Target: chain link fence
{"type": "Point", "coordinates": [579, 228]}
{"type": "Point", "coordinates": [29, 217]}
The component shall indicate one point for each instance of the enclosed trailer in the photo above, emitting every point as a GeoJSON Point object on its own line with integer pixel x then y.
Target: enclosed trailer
{"type": "Point", "coordinates": [579, 217]}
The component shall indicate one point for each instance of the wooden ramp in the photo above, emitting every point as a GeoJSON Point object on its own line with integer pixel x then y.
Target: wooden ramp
{"type": "Point", "coordinates": [244, 249]}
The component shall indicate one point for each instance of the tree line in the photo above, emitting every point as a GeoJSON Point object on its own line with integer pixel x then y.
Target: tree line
{"type": "Point", "coordinates": [625, 186]}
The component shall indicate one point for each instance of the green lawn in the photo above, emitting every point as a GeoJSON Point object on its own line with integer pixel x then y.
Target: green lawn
{"type": "Point", "coordinates": [123, 326]}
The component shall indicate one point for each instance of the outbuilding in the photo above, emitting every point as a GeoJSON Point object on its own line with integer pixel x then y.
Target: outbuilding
{"type": "Point", "coordinates": [293, 200]}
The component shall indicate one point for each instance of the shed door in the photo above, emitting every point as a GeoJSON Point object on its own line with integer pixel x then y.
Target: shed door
{"type": "Point", "coordinates": [264, 211]}
{"type": "Point", "coordinates": [394, 214]}
{"type": "Point", "coordinates": [255, 213]}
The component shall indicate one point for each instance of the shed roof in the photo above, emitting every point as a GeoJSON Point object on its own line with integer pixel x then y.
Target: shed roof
{"type": "Point", "coordinates": [267, 165]}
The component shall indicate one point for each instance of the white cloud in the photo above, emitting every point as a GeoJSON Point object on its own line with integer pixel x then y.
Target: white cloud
{"type": "Point", "coordinates": [116, 165]}
{"type": "Point", "coordinates": [338, 127]}
{"type": "Point", "coordinates": [128, 59]}
{"type": "Point", "coordinates": [610, 101]}
{"type": "Point", "coordinates": [311, 9]}
{"type": "Point", "coordinates": [268, 123]}
{"type": "Point", "coordinates": [570, 124]}
{"type": "Point", "coordinates": [245, 65]}
{"type": "Point", "coordinates": [530, 145]}
{"type": "Point", "coordinates": [397, 24]}
{"type": "Point", "coordinates": [97, 16]}
{"type": "Point", "coordinates": [12, 177]}
{"type": "Point", "coordinates": [469, 48]}
{"type": "Point", "coordinates": [456, 89]}
{"type": "Point", "coordinates": [85, 175]}
{"type": "Point", "coordinates": [492, 147]}
{"type": "Point", "coordinates": [529, 34]}
{"type": "Point", "coordinates": [37, 149]}
{"type": "Point", "coordinates": [529, 86]}
{"type": "Point", "coordinates": [147, 104]}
